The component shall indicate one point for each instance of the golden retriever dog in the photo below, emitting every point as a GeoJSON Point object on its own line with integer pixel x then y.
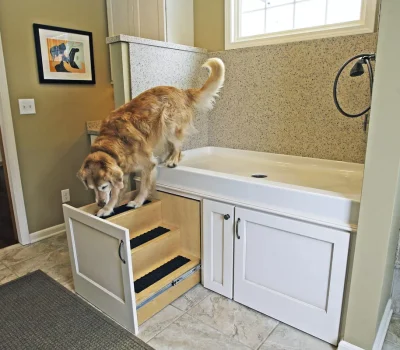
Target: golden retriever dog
{"type": "Point", "coordinates": [158, 119]}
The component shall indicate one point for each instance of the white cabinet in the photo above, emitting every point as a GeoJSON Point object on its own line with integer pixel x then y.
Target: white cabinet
{"type": "Point", "coordinates": [164, 20]}
{"type": "Point", "coordinates": [288, 269]}
{"type": "Point", "coordinates": [218, 219]}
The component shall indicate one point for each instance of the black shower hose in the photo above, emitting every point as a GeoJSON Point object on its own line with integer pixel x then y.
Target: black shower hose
{"type": "Point", "coordinates": [367, 60]}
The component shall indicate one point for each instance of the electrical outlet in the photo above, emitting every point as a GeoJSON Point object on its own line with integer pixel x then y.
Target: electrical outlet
{"type": "Point", "coordinates": [27, 106]}
{"type": "Point", "coordinates": [65, 196]}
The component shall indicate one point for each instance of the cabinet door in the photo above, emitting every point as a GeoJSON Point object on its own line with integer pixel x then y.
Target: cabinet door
{"type": "Point", "coordinates": [150, 14]}
{"type": "Point", "coordinates": [101, 265]}
{"type": "Point", "coordinates": [217, 260]}
{"type": "Point", "coordinates": [120, 16]}
{"type": "Point", "coordinates": [292, 271]}
{"type": "Point", "coordinates": [141, 18]}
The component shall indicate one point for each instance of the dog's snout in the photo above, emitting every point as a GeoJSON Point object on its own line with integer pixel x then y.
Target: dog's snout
{"type": "Point", "coordinates": [101, 203]}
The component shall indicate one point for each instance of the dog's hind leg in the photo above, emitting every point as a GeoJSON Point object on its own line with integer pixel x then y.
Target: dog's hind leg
{"type": "Point", "coordinates": [147, 181]}
{"type": "Point", "coordinates": [175, 145]}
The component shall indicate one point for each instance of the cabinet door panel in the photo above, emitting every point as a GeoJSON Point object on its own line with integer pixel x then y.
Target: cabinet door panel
{"type": "Point", "coordinates": [292, 271]}
{"type": "Point", "coordinates": [151, 19]}
{"type": "Point", "coordinates": [120, 16]}
{"type": "Point", "coordinates": [217, 262]}
{"type": "Point", "coordinates": [101, 265]}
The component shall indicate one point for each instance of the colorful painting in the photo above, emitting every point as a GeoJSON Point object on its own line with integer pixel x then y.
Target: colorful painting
{"type": "Point", "coordinates": [64, 55]}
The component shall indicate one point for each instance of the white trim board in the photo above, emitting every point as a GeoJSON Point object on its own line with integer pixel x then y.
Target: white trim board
{"type": "Point", "coordinates": [11, 156]}
{"type": "Point", "coordinates": [344, 345]}
{"type": "Point", "coordinates": [383, 326]}
{"type": "Point", "coordinates": [381, 334]}
{"type": "Point", "coordinates": [47, 233]}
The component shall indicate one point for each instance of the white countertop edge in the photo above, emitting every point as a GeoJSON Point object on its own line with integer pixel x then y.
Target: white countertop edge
{"type": "Point", "coordinates": [351, 228]}
{"type": "Point", "coordinates": [150, 42]}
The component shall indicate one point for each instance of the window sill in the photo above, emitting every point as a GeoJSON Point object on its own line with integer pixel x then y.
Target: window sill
{"type": "Point", "coordinates": [288, 37]}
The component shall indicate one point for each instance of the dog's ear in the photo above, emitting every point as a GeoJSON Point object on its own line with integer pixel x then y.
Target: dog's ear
{"type": "Point", "coordinates": [82, 175]}
{"type": "Point", "coordinates": [116, 177]}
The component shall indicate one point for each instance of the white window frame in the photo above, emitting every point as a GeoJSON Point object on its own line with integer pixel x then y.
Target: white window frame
{"type": "Point", "coordinates": [232, 40]}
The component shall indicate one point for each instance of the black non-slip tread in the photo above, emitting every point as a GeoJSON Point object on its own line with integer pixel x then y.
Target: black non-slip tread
{"type": "Point", "coordinates": [148, 236]}
{"type": "Point", "coordinates": [121, 209]}
{"type": "Point", "coordinates": [160, 272]}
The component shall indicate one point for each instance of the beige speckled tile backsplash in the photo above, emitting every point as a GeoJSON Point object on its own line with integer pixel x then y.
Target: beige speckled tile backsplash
{"type": "Point", "coordinates": [278, 99]}
{"type": "Point", "coordinates": [156, 66]}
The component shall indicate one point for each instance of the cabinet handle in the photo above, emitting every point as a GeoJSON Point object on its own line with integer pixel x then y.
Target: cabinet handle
{"type": "Point", "coordinates": [227, 216]}
{"type": "Point", "coordinates": [237, 228]}
{"type": "Point", "coordinates": [119, 252]}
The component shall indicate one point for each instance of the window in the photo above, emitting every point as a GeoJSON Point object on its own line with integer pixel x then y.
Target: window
{"type": "Point", "coordinates": [261, 22]}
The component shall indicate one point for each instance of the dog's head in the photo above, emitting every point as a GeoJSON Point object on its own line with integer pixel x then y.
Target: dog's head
{"type": "Point", "coordinates": [101, 173]}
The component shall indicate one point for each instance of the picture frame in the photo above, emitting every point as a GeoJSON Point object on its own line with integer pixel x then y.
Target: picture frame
{"type": "Point", "coordinates": [64, 56]}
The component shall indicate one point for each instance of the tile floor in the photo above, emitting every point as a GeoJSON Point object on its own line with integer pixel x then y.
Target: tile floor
{"type": "Point", "coordinates": [200, 319]}
{"type": "Point", "coordinates": [392, 341]}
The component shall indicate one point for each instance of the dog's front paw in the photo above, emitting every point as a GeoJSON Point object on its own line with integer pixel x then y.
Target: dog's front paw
{"type": "Point", "coordinates": [170, 163]}
{"type": "Point", "coordinates": [135, 203]}
{"type": "Point", "coordinates": [104, 212]}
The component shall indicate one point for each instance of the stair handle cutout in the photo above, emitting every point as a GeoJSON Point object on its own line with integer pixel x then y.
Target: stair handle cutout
{"type": "Point", "coordinates": [119, 252]}
{"type": "Point", "coordinates": [237, 228]}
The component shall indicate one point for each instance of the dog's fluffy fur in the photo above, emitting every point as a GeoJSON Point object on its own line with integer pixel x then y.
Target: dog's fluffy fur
{"type": "Point", "coordinates": [159, 118]}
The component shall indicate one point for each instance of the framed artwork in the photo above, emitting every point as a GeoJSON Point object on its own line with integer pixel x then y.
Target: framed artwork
{"type": "Point", "coordinates": [64, 56]}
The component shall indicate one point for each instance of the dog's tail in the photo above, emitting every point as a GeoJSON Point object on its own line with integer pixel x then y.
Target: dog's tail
{"type": "Point", "coordinates": [205, 97]}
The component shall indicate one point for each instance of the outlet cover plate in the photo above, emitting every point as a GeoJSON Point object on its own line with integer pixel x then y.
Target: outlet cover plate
{"type": "Point", "coordinates": [27, 106]}
{"type": "Point", "coordinates": [65, 197]}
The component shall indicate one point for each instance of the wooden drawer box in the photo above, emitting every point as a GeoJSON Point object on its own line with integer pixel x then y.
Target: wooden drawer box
{"type": "Point", "coordinates": [135, 263]}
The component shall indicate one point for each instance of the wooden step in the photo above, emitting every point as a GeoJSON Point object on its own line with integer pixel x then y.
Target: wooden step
{"type": "Point", "coordinates": [153, 253]}
{"type": "Point", "coordinates": [164, 299]}
{"type": "Point", "coordinates": [140, 218]}
{"type": "Point", "coordinates": [148, 215]}
{"type": "Point", "coordinates": [155, 287]}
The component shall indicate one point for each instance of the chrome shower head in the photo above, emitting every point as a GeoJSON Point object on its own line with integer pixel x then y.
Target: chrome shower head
{"type": "Point", "coordinates": [358, 68]}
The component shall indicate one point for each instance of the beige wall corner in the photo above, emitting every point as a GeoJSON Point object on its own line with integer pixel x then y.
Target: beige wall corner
{"type": "Point", "coordinates": [209, 32]}
{"type": "Point", "coordinates": [380, 203]}
{"type": "Point", "coordinates": [53, 143]}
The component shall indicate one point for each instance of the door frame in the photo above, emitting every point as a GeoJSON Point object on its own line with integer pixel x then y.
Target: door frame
{"type": "Point", "coordinates": [11, 156]}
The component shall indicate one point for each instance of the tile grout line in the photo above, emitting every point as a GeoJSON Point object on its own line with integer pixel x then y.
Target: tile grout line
{"type": "Point", "coordinates": [272, 331]}
{"type": "Point", "coordinates": [183, 312]}
{"type": "Point", "coordinates": [194, 305]}
{"type": "Point", "coordinates": [207, 325]}
{"type": "Point", "coordinates": [38, 267]}
{"type": "Point", "coordinates": [163, 329]}
{"type": "Point", "coordinates": [11, 272]}
{"type": "Point", "coordinates": [215, 329]}
{"type": "Point", "coordinates": [33, 257]}
{"type": "Point", "coordinates": [238, 341]}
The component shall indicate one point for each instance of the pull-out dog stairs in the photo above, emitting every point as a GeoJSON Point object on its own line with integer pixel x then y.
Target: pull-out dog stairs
{"type": "Point", "coordinates": [133, 264]}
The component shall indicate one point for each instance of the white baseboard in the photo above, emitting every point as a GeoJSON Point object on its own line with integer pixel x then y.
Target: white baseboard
{"type": "Point", "coordinates": [381, 334]}
{"type": "Point", "coordinates": [383, 326]}
{"type": "Point", "coordinates": [47, 232]}
{"type": "Point", "coordinates": [344, 345]}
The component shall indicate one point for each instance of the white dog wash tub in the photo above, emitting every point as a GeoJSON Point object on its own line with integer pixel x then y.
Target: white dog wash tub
{"type": "Point", "coordinates": [322, 191]}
